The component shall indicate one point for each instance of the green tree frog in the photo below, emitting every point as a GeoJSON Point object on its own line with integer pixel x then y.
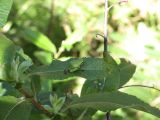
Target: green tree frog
{"type": "Point", "coordinates": [74, 65]}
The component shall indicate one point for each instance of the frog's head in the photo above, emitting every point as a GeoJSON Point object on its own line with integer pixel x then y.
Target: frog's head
{"type": "Point", "coordinates": [75, 64]}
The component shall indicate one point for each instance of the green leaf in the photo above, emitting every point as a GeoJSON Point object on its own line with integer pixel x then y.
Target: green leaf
{"type": "Point", "coordinates": [112, 101]}
{"type": "Point", "coordinates": [90, 86]}
{"type": "Point", "coordinates": [38, 39]}
{"type": "Point", "coordinates": [107, 72]}
{"type": "Point", "coordinates": [12, 108]}
{"type": "Point", "coordinates": [7, 52]}
{"type": "Point", "coordinates": [5, 6]}
{"type": "Point", "coordinates": [74, 37]}
{"type": "Point", "coordinates": [112, 79]}
{"type": "Point", "coordinates": [57, 103]}
{"type": "Point", "coordinates": [127, 69]}
{"type": "Point", "coordinates": [92, 68]}
{"type": "Point", "coordinates": [19, 66]}
{"type": "Point", "coordinates": [24, 66]}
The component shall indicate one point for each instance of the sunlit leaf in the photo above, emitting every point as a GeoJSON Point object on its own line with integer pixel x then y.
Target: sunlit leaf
{"type": "Point", "coordinates": [7, 52]}
{"type": "Point", "coordinates": [5, 6]}
{"type": "Point", "coordinates": [76, 36]}
{"type": "Point", "coordinates": [38, 39]}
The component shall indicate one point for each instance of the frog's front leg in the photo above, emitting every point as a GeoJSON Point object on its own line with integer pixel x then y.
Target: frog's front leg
{"type": "Point", "coordinates": [69, 70]}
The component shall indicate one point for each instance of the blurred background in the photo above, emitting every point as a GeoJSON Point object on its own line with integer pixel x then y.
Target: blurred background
{"type": "Point", "coordinates": [59, 29]}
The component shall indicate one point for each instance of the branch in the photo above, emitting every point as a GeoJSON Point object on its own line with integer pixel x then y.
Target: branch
{"type": "Point", "coordinates": [150, 87]}
{"type": "Point", "coordinates": [35, 103]}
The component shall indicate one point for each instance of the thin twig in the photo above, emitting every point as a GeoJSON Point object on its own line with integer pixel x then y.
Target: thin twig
{"type": "Point", "coordinates": [35, 103]}
{"type": "Point", "coordinates": [151, 87]}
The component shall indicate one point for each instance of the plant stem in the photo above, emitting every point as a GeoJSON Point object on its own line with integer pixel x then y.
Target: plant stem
{"type": "Point", "coordinates": [35, 103]}
{"type": "Point", "coordinates": [108, 116]}
{"type": "Point", "coordinates": [105, 25]}
{"type": "Point", "coordinates": [105, 39]}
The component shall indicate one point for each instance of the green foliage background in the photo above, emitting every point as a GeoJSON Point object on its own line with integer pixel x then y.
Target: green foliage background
{"type": "Point", "coordinates": [72, 25]}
